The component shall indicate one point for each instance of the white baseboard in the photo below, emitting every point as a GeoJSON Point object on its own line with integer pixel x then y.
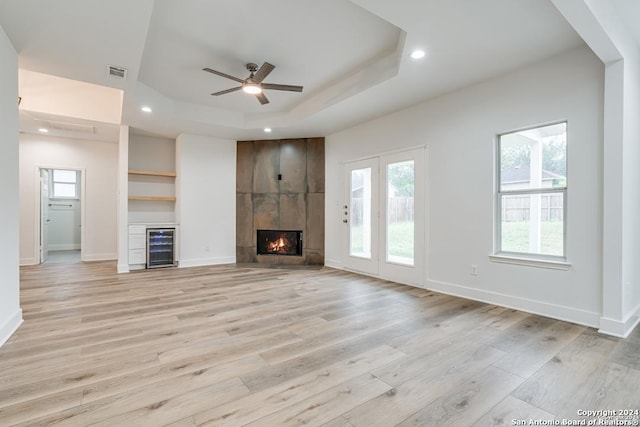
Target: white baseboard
{"type": "Point", "coordinates": [123, 268]}
{"type": "Point", "coordinates": [333, 263]}
{"type": "Point", "coordinates": [606, 326]}
{"type": "Point", "coordinates": [28, 261]}
{"type": "Point", "coordinates": [559, 312]}
{"type": "Point", "coordinates": [619, 328]}
{"type": "Point", "coordinates": [100, 257]}
{"type": "Point", "coordinates": [64, 247]}
{"type": "Point", "coordinates": [199, 262]}
{"type": "Point", "coordinates": [10, 326]}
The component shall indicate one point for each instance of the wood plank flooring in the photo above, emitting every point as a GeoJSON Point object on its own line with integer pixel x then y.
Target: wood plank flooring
{"type": "Point", "coordinates": [237, 345]}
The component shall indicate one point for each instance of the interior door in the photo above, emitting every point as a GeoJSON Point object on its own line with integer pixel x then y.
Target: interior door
{"type": "Point", "coordinates": [44, 214]}
{"type": "Point", "coordinates": [360, 216]}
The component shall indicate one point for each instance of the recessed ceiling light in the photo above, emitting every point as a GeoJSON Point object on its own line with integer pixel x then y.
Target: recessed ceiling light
{"type": "Point", "coordinates": [417, 54]}
{"type": "Point", "coordinates": [267, 130]}
{"type": "Point", "coordinates": [146, 109]}
{"type": "Point", "coordinates": [43, 130]}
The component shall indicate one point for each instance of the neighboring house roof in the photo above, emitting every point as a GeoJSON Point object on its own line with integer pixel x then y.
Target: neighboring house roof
{"type": "Point", "coordinates": [522, 174]}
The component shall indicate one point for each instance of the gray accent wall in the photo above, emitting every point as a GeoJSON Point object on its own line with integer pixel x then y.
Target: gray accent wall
{"type": "Point", "coordinates": [295, 202]}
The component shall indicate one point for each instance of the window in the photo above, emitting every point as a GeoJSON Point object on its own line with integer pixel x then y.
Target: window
{"type": "Point", "coordinates": [64, 184]}
{"type": "Point", "coordinates": [532, 192]}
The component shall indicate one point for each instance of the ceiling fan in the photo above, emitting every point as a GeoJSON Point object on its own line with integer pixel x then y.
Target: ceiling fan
{"type": "Point", "coordinates": [253, 84]}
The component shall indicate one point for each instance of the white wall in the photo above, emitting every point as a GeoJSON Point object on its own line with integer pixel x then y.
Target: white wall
{"type": "Point", "coordinates": [49, 94]}
{"type": "Point", "coordinates": [206, 198]}
{"type": "Point", "coordinates": [123, 203]}
{"type": "Point", "coordinates": [631, 187]}
{"type": "Point", "coordinates": [152, 153]}
{"type": "Point", "coordinates": [64, 225]}
{"type": "Point", "coordinates": [460, 130]}
{"type": "Point", "coordinates": [10, 312]}
{"type": "Point", "coordinates": [603, 29]}
{"type": "Point", "coordinates": [158, 155]}
{"type": "Point", "coordinates": [100, 162]}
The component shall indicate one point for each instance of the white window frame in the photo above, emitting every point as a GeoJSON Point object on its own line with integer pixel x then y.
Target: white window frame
{"type": "Point", "coordinates": [54, 182]}
{"type": "Point", "coordinates": [528, 258]}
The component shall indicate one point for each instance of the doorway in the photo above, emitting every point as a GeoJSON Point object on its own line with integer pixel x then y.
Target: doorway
{"type": "Point", "coordinates": [384, 216]}
{"type": "Point", "coordinates": [61, 214]}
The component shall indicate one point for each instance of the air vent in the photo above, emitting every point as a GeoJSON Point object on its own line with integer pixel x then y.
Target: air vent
{"type": "Point", "coordinates": [117, 72]}
{"type": "Point", "coordinates": [65, 126]}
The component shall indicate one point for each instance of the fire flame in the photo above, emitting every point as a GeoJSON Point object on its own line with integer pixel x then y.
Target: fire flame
{"type": "Point", "coordinates": [278, 246]}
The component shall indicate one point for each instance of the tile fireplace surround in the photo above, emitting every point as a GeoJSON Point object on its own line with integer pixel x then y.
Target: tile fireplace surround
{"type": "Point", "coordinates": [280, 186]}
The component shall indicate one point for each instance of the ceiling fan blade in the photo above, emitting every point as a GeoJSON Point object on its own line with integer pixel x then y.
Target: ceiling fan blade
{"type": "Point", "coordinates": [219, 73]}
{"type": "Point", "coordinates": [222, 92]}
{"type": "Point", "coordinates": [290, 88]}
{"type": "Point", "coordinates": [263, 72]}
{"type": "Point", "coordinates": [262, 98]}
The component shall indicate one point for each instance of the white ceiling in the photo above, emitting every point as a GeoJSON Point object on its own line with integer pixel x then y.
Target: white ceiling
{"type": "Point", "coordinates": [351, 56]}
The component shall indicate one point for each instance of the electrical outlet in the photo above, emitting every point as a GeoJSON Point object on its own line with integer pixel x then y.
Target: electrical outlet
{"type": "Point", "coordinates": [474, 270]}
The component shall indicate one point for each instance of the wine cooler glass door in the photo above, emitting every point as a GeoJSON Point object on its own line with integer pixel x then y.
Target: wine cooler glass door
{"type": "Point", "coordinates": [160, 247]}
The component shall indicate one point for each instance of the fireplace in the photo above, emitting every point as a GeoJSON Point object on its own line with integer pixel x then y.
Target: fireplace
{"type": "Point", "coordinates": [280, 187]}
{"type": "Point", "coordinates": [279, 242]}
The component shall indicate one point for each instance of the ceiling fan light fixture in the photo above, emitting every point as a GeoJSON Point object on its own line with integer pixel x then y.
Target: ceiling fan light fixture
{"type": "Point", "coordinates": [253, 84]}
{"type": "Point", "coordinates": [418, 53]}
{"type": "Point", "coordinates": [252, 88]}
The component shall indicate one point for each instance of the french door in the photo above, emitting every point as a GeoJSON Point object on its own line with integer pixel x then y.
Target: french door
{"type": "Point", "coordinates": [360, 215]}
{"type": "Point", "coordinates": [384, 216]}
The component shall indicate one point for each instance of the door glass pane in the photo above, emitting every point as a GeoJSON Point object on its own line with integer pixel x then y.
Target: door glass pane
{"type": "Point", "coordinates": [360, 218]}
{"type": "Point", "coordinates": [400, 212]}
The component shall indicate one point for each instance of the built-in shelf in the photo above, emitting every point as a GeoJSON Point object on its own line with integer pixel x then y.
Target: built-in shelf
{"type": "Point", "coordinates": [153, 198]}
{"type": "Point", "coordinates": [151, 173]}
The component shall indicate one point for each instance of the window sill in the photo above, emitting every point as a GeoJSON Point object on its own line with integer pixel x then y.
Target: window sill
{"type": "Point", "coordinates": [530, 262]}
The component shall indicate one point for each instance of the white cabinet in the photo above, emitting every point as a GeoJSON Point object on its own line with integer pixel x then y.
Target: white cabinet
{"type": "Point", "coordinates": [138, 243]}
{"type": "Point", "coordinates": [137, 246]}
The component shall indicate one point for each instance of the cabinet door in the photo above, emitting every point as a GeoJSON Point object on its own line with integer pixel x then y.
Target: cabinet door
{"type": "Point", "coordinates": [137, 229]}
{"type": "Point", "coordinates": [137, 256]}
{"type": "Point", "coordinates": [137, 241]}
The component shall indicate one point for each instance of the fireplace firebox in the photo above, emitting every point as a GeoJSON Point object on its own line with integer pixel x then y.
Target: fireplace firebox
{"type": "Point", "coordinates": [279, 242]}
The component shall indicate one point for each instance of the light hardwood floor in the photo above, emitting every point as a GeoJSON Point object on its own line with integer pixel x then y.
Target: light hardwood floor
{"type": "Point", "coordinates": [232, 345]}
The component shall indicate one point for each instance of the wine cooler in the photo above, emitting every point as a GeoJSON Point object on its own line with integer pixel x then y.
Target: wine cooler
{"type": "Point", "coordinates": [161, 247]}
